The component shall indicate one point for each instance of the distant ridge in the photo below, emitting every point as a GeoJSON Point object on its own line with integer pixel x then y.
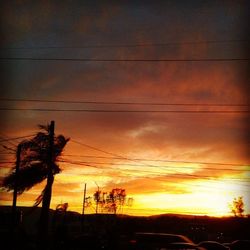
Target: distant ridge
{"type": "Point", "coordinates": [30, 210]}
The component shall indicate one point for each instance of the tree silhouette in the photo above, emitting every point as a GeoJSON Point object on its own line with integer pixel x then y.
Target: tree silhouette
{"type": "Point", "coordinates": [116, 199]}
{"type": "Point", "coordinates": [38, 161]}
{"type": "Point", "coordinates": [112, 201]}
{"type": "Point", "coordinates": [237, 207]}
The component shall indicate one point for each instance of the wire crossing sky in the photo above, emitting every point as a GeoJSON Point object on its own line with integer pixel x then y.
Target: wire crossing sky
{"type": "Point", "coordinates": [123, 60]}
{"type": "Point", "coordinates": [121, 103]}
{"type": "Point", "coordinates": [130, 45]}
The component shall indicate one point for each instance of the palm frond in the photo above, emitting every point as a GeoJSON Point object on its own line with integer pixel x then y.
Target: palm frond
{"type": "Point", "coordinates": [27, 178]}
{"type": "Point", "coordinates": [39, 199]}
{"type": "Point", "coordinates": [35, 160]}
{"type": "Point", "coordinates": [59, 144]}
{"type": "Point", "coordinates": [44, 127]}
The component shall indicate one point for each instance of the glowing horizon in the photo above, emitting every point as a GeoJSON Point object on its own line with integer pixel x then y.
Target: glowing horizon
{"type": "Point", "coordinates": [196, 200]}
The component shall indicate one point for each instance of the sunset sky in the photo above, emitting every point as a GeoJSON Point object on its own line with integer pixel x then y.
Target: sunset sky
{"type": "Point", "coordinates": [172, 161]}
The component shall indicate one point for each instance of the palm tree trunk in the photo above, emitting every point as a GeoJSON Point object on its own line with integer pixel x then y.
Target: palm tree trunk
{"type": "Point", "coordinates": [43, 231]}
{"type": "Point", "coordinates": [46, 203]}
{"type": "Point", "coordinates": [14, 210]}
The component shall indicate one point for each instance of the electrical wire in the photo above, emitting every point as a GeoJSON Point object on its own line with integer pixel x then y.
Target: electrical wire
{"type": "Point", "coordinates": [123, 60]}
{"type": "Point", "coordinates": [127, 111]}
{"type": "Point", "coordinates": [132, 45]}
{"type": "Point", "coordinates": [140, 160]}
{"type": "Point", "coordinates": [16, 138]}
{"type": "Point", "coordinates": [163, 166]}
{"type": "Point", "coordinates": [121, 103]}
{"type": "Point", "coordinates": [162, 160]}
{"type": "Point", "coordinates": [160, 178]}
{"type": "Point", "coordinates": [172, 171]}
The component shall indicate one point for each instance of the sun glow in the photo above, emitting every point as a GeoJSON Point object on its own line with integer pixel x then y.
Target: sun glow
{"type": "Point", "coordinates": [201, 197]}
{"type": "Point", "coordinates": [156, 187]}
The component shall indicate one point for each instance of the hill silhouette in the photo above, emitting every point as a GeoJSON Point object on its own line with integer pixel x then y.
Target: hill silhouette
{"type": "Point", "coordinates": [196, 227]}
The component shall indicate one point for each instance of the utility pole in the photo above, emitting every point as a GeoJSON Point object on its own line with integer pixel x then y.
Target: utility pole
{"type": "Point", "coordinates": [44, 218]}
{"type": "Point", "coordinates": [14, 214]}
{"type": "Point", "coordinates": [84, 198]}
{"type": "Point", "coordinates": [83, 205]}
{"type": "Point", "coordinates": [97, 198]}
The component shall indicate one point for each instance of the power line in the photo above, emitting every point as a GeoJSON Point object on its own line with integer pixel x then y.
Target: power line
{"type": "Point", "coordinates": [140, 160]}
{"type": "Point", "coordinates": [125, 111]}
{"type": "Point", "coordinates": [162, 178]}
{"type": "Point", "coordinates": [9, 142]}
{"type": "Point", "coordinates": [161, 160]}
{"type": "Point", "coordinates": [156, 173]}
{"type": "Point", "coordinates": [121, 60]}
{"type": "Point", "coordinates": [163, 166]}
{"type": "Point", "coordinates": [100, 150]}
{"type": "Point", "coordinates": [110, 153]}
{"type": "Point", "coordinates": [133, 45]}
{"type": "Point", "coordinates": [90, 164]}
{"type": "Point", "coordinates": [16, 138]}
{"type": "Point", "coordinates": [168, 168]}
{"type": "Point", "coordinates": [7, 148]}
{"type": "Point", "coordinates": [120, 103]}
{"type": "Point", "coordinates": [106, 152]}
{"type": "Point", "coordinates": [168, 176]}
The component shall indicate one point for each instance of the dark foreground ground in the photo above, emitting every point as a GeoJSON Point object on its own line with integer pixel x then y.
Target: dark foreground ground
{"type": "Point", "coordinates": [106, 231]}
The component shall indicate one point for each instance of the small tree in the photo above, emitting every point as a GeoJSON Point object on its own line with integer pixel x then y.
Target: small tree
{"type": "Point", "coordinates": [237, 207]}
{"type": "Point", "coordinates": [116, 199]}
{"type": "Point", "coordinates": [112, 201]}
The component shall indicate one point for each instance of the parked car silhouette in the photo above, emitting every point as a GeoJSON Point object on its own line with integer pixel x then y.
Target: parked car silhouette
{"type": "Point", "coordinates": [182, 246]}
{"type": "Point", "coordinates": [161, 241]}
{"type": "Point", "coordinates": [240, 245]}
{"type": "Point", "coordinates": [212, 245]}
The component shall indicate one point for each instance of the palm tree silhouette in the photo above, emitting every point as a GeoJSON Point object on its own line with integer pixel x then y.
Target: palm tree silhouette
{"type": "Point", "coordinates": [38, 161]}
